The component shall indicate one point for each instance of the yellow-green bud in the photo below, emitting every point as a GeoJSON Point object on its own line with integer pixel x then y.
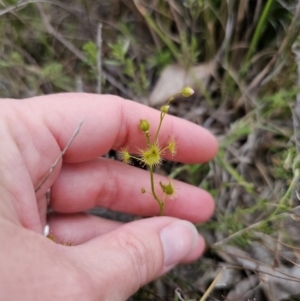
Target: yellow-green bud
{"type": "Point", "coordinates": [144, 125]}
{"type": "Point", "coordinates": [168, 189]}
{"type": "Point", "coordinates": [187, 91]}
{"type": "Point", "coordinates": [164, 109]}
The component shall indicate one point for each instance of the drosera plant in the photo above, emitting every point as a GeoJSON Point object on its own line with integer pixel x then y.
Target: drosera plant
{"type": "Point", "coordinates": [152, 155]}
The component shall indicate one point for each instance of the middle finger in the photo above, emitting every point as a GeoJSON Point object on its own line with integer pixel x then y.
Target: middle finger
{"type": "Point", "coordinates": [114, 185]}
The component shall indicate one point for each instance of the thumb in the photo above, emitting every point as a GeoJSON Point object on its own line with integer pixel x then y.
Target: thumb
{"type": "Point", "coordinates": [121, 261]}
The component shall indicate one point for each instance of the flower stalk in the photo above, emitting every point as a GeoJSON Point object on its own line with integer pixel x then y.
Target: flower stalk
{"type": "Point", "coordinates": [152, 155]}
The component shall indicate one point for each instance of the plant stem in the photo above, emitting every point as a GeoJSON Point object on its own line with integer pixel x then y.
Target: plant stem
{"type": "Point", "coordinates": [241, 181]}
{"type": "Point", "coordinates": [148, 138]}
{"type": "Point", "coordinates": [272, 217]}
{"type": "Point", "coordinates": [285, 196]}
{"type": "Point", "coordinates": [164, 38]}
{"type": "Point", "coordinates": [162, 115]}
{"type": "Point", "coordinates": [257, 34]}
{"type": "Point", "coordinates": [161, 206]}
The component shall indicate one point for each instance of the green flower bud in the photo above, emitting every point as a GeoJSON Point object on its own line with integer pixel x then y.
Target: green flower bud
{"type": "Point", "coordinates": [187, 91]}
{"type": "Point", "coordinates": [164, 109]}
{"type": "Point", "coordinates": [144, 125]}
{"type": "Point", "coordinates": [168, 189]}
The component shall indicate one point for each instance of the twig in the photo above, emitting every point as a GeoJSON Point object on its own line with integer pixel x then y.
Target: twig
{"type": "Point", "coordinates": [223, 52]}
{"type": "Point", "coordinates": [23, 4]}
{"type": "Point", "coordinates": [293, 31]}
{"type": "Point", "coordinates": [99, 61]}
{"type": "Point", "coordinates": [236, 234]}
{"type": "Point", "coordinates": [282, 243]}
{"type": "Point", "coordinates": [213, 284]}
{"type": "Point", "coordinates": [20, 5]}
{"type": "Point", "coordinates": [296, 108]}
{"type": "Point", "coordinates": [170, 44]}
{"type": "Point", "coordinates": [261, 267]}
{"type": "Point", "coordinates": [179, 294]}
{"type": "Point", "coordinates": [275, 214]}
{"type": "Point", "coordinates": [59, 157]}
{"type": "Point", "coordinates": [278, 254]}
{"type": "Point", "coordinates": [79, 54]}
{"type": "Point", "coordinates": [79, 84]}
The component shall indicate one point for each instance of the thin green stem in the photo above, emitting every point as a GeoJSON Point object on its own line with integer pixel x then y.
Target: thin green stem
{"type": "Point", "coordinates": [161, 211]}
{"type": "Point", "coordinates": [178, 170]}
{"type": "Point", "coordinates": [222, 162]}
{"type": "Point", "coordinates": [136, 158]}
{"type": "Point", "coordinates": [273, 216]}
{"type": "Point", "coordinates": [257, 34]}
{"type": "Point", "coordinates": [162, 115]}
{"type": "Point", "coordinates": [285, 197]}
{"type": "Point", "coordinates": [161, 207]}
{"type": "Point", "coordinates": [148, 138]}
{"type": "Point", "coordinates": [172, 97]}
{"type": "Point", "coordinates": [251, 227]}
{"type": "Point", "coordinates": [164, 149]}
{"type": "Point", "coordinates": [174, 50]}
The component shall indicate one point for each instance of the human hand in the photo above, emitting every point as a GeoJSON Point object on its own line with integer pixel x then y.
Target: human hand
{"type": "Point", "coordinates": [108, 260]}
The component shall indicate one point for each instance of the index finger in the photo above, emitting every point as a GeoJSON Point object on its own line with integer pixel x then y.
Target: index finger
{"type": "Point", "coordinates": [110, 122]}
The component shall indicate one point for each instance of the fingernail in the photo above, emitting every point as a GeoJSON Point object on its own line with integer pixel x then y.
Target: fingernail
{"type": "Point", "coordinates": [178, 240]}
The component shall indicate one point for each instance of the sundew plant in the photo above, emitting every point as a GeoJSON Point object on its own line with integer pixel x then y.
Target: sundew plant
{"type": "Point", "coordinates": [152, 155]}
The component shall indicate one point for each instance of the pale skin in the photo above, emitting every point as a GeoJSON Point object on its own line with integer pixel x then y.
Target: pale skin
{"type": "Point", "coordinates": [107, 260]}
